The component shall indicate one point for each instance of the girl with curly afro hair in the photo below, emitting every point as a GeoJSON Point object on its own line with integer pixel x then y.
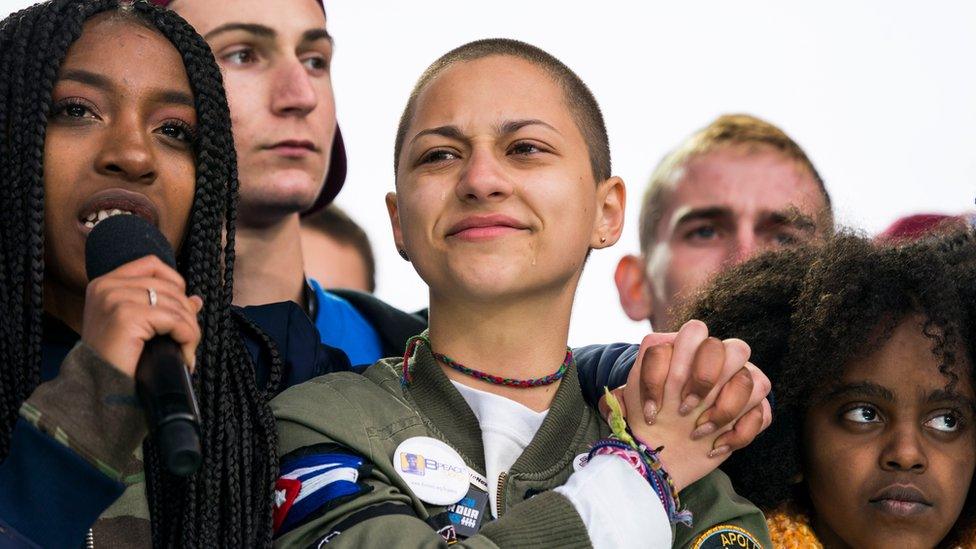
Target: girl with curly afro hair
{"type": "Point", "coordinates": [870, 348]}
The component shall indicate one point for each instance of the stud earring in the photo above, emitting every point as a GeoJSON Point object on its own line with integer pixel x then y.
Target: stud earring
{"type": "Point", "coordinates": [403, 254]}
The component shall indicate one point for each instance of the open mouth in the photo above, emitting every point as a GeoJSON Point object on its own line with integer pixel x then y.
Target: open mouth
{"type": "Point", "coordinates": [101, 215]}
{"type": "Point", "coordinates": [112, 202]}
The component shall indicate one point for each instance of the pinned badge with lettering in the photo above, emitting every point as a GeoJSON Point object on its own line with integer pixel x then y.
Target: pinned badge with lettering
{"type": "Point", "coordinates": [432, 469]}
{"type": "Point", "coordinates": [726, 536]}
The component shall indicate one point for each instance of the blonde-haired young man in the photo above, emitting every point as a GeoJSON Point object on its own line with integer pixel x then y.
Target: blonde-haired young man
{"type": "Point", "coordinates": [736, 187]}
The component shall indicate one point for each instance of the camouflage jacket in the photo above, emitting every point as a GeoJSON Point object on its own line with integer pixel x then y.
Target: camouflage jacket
{"type": "Point", "coordinates": [76, 453]}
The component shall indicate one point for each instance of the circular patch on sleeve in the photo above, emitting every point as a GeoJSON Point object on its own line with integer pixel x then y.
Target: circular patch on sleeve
{"type": "Point", "coordinates": [726, 536]}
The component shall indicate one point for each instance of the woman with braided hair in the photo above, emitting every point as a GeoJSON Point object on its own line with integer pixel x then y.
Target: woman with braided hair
{"type": "Point", "coordinates": [108, 109]}
{"type": "Point", "coordinates": [871, 352]}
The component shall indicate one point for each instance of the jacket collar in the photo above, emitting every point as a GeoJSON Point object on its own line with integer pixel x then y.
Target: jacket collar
{"type": "Point", "coordinates": [440, 402]}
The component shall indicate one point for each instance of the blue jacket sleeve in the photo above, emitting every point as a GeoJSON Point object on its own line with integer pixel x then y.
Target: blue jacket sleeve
{"type": "Point", "coordinates": [49, 495]}
{"type": "Point", "coordinates": [602, 366]}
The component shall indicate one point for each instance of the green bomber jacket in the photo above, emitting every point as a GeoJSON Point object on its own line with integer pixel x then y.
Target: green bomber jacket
{"type": "Point", "coordinates": [371, 414]}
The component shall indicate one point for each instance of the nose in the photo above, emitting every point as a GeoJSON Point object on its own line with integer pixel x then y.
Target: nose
{"type": "Point", "coordinates": [483, 179]}
{"type": "Point", "coordinates": [127, 153]}
{"type": "Point", "coordinates": [744, 245]}
{"type": "Point", "coordinates": [904, 451]}
{"type": "Point", "coordinates": [293, 93]}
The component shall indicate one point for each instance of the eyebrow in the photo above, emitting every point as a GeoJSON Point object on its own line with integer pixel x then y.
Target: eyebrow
{"type": "Point", "coordinates": [453, 132]}
{"type": "Point", "coordinates": [450, 132]}
{"type": "Point", "coordinates": [789, 217]}
{"type": "Point", "coordinates": [941, 395]}
{"type": "Point", "coordinates": [264, 31]}
{"type": "Point", "coordinates": [98, 81]}
{"type": "Point", "coordinates": [862, 389]}
{"type": "Point", "coordinates": [176, 97]}
{"type": "Point", "coordinates": [311, 35]}
{"type": "Point", "coordinates": [696, 214]}
{"type": "Point", "coordinates": [792, 217]}
{"type": "Point", "coordinates": [513, 126]}
{"type": "Point", "coordinates": [86, 77]}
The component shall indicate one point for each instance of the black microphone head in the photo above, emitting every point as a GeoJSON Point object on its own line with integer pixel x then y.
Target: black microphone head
{"type": "Point", "coordinates": [123, 238]}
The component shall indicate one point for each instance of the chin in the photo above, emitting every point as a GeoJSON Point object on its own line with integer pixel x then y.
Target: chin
{"type": "Point", "coordinates": [880, 540]}
{"type": "Point", "coordinates": [492, 285]}
{"type": "Point", "coordinates": [281, 189]}
{"type": "Point", "coordinates": [269, 206]}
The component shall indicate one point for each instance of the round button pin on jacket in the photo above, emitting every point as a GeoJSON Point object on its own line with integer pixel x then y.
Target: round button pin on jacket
{"type": "Point", "coordinates": [433, 470]}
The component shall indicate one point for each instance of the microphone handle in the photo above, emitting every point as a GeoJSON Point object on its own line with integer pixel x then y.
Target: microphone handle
{"type": "Point", "coordinates": [164, 386]}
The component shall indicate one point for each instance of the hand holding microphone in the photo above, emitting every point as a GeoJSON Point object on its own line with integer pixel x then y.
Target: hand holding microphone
{"type": "Point", "coordinates": [139, 319]}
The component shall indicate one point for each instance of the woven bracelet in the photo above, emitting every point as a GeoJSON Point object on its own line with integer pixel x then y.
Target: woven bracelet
{"type": "Point", "coordinates": [658, 477]}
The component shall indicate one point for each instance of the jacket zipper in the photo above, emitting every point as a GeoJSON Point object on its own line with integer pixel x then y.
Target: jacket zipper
{"type": "Point", "coordinates": [90, 539]}
{"type": "Point", "coordinates": [500, 493]}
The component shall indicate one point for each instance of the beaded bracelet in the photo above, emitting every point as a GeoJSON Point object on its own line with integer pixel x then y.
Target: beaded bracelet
{"type": "Point", "coordinates": [624, 444]}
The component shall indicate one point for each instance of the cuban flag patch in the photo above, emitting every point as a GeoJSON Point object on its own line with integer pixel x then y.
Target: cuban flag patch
{"type": "Point", "coordinates": [313, 482]}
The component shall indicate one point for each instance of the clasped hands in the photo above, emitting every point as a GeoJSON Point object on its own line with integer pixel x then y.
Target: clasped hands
{"type": "Point", "coordinates": [696, 396]}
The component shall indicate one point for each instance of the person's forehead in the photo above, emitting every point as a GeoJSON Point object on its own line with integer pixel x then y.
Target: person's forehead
{"type": "Point", "coordinates": [283, 16]}
{"type": "Point", "coordinates": [109, 44]}
{"type": "Point", "coordinates": [744, 183]}
{"type": "Point", "coordinates": [904, 362]}
{"type": "Point", "coordinates": [494, 88]}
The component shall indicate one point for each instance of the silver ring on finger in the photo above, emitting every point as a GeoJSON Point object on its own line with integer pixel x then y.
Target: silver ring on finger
{"type": "Point", "coordinates": [153, 298]}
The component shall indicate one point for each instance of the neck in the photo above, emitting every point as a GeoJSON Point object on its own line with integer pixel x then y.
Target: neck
{"type": "Point", "coordinates": [64, 304]}
{"type": "Point", "coordinates": [523, 339]}
{"type": "Point", "coordinates": [268, 268]}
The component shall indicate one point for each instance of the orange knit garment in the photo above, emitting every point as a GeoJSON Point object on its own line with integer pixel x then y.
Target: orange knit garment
{"type": "Point", "coordinates": [791, 530]}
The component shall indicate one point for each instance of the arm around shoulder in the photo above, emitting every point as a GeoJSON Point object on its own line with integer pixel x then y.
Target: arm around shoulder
{"type": "Point", "coordinates": [602, 366]}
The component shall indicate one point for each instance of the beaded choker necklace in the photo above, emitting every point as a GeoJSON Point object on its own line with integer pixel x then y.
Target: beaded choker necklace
{"type": "Point", "coordinates": [487, 378]}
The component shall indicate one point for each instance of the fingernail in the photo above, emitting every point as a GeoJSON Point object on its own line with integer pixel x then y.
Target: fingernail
{"type": "Point", "coordinates": [650, 412]}
{"type": "Point", "coordinates": [703, 430]}
{"type": "Point", "coordinates": [688, 405]}
{"type": "Point", "coordinates": [720, 451]}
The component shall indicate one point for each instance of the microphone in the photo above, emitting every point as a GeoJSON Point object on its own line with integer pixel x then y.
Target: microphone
{"type": "Point", "coordinates": [162, 379]}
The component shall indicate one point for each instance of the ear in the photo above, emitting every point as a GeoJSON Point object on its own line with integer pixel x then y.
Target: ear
{"type": "Point", "coordinates": [635, 294]}
{"type": "Point", "coordinates": [611, 199]}
{"type": "Point", "coordinates": [394, 210]}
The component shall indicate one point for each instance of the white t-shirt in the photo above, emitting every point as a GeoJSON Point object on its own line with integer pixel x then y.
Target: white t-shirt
{"type": "Point", "coordinates": [619, 508]}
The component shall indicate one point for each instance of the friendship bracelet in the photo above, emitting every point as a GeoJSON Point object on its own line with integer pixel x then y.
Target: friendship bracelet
{"type": "Point", "coordinates": [613, 447]}
{"type": "Point", "coordinates": [657, 476]}
{"type": "Point", "coordinates": [662, 477]}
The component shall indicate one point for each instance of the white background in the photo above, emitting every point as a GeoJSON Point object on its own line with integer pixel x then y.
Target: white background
{"type": "Point", "coordinates": [882, 95]}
